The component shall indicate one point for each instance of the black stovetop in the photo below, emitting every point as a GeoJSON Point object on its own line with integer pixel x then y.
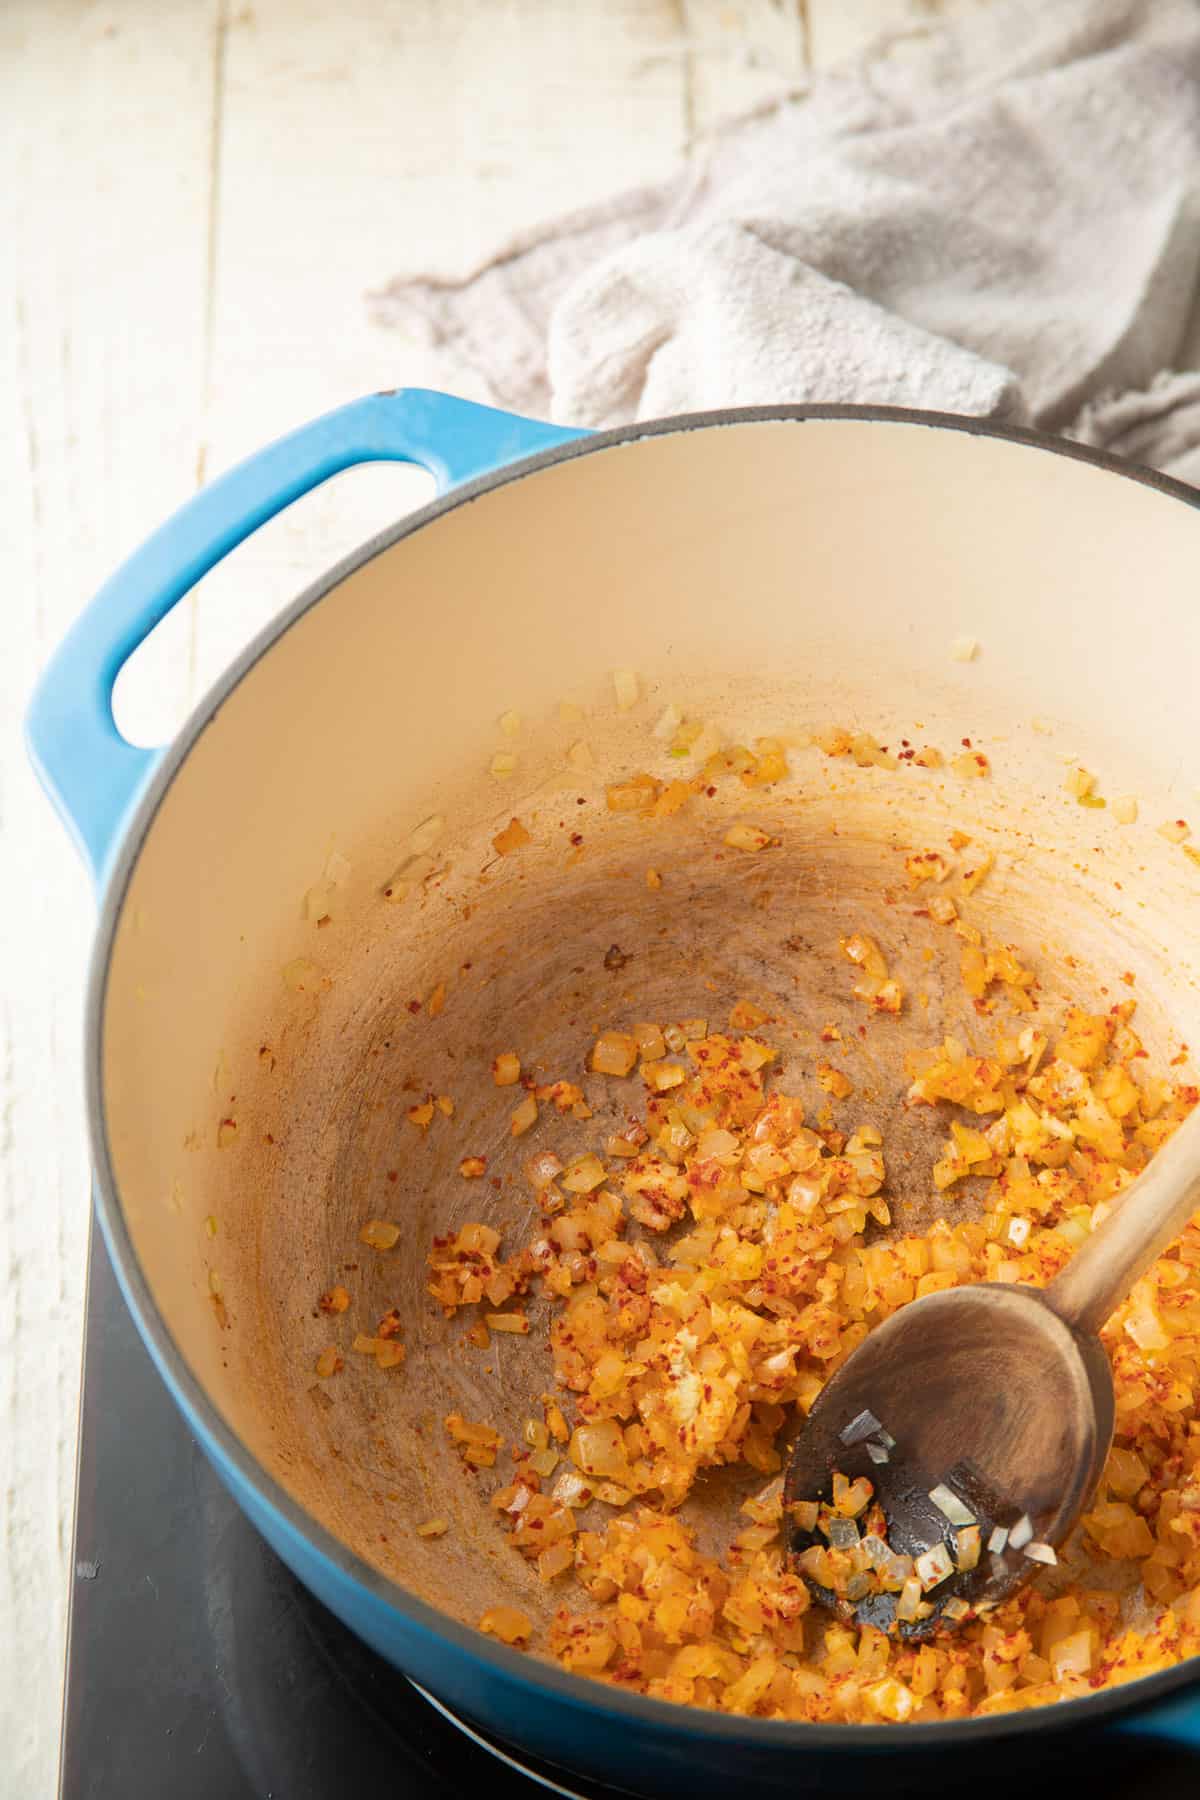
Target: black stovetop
{"type": "Point", "coordinates": [199, 1668]}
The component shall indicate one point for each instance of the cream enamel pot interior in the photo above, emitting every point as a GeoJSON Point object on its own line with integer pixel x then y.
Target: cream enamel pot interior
{"type": "Point", "coordinates": [768, 570]}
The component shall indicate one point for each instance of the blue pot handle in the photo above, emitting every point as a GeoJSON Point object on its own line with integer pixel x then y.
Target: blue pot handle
{"type": "Point", "coordinates": [92, 774]}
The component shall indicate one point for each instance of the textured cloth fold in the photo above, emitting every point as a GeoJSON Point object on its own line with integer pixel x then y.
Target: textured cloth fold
{"type": "Point", "coordinates": [1001, 217]}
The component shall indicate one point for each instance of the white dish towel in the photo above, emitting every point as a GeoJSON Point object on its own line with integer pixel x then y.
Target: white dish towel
{"type": "Point", "coordinates": [1001, 217]}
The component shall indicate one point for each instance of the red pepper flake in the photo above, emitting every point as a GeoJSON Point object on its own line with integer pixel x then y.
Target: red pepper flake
{"type": "Point", "coordinates": [393, 1174]}
{"type": "Point", "coordinates": [414, 1006]}
{"type": "Point", "coordinates": [577, 837]}
{"type": "Point", "coordinates": [966, 743]}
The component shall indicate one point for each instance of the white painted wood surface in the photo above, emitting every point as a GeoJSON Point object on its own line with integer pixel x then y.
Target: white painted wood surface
{"type": "Point", "coordinates": [198, 195]}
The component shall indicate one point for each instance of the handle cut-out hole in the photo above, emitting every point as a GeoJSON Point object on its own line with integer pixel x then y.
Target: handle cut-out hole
{"type": "Point", "coordinates": [169, 673]}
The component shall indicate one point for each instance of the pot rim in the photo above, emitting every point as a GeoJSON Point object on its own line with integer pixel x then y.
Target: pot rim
{"type": "Point", "coordinates": [193, 1399]}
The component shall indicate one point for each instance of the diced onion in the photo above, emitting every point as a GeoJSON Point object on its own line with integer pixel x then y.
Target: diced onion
{"type": "Point", "coordinates": [524, 1116]}
{"type": "Point", "coordinates": [968, 1547]}
{"type": "Point", "coordinates": [507, 1624]}
{"type": "Point", "coordinates": [380, 1234]}
{"type": "Point", "coordinates": [583, 1175]}
{"type": "Point", "coordinates": [998, 1539]}
{"type": "Point", "coordinates": [569, 1489]}
{"type": "Point", "coordinates": [614, 1053]}
{"type": "Point", "coordinates": [747, 837]}
{"type": "Point", "coordinates": [599, 1450]}
{"type": "Point", "coordinates": [932, 1566]}
{"type": "Point", "coordinates": [649, 1040]}
{"type": "Point", "coordinates": [1041, 1553]}
{"type": "Point", "coordinates": [948, 1502]}
{"type": "Point", "coordinates": [1071, 1655]}
{"type": "Point", "coordinates": [1021, 1533]}
{"type": "Point", "coordinates": [661, 1076]}
{"type": "Point", "coordinates": [637, 795]}
{"type": "Point", "coordinates": [556, 1560]}
{"type": "Point", "coordinates": [909, 1601]}
{"type": "Point", "coordinates": [896, 1571]}
{"type": "Point", "coordinates": [543, 1168]}
{"type": "Point", "coordinates": [862, 1426]}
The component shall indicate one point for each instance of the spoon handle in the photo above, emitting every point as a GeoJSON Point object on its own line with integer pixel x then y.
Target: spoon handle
{"type": "Point", "coordinates": [1150, 1215]}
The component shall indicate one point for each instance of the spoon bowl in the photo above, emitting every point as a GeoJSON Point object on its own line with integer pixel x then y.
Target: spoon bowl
{"type": "Point", "coordinates": [1029, 1443]}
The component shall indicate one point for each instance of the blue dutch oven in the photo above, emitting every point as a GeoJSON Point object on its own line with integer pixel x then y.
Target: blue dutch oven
{"type": "Point", "coordinates": [824, 554]}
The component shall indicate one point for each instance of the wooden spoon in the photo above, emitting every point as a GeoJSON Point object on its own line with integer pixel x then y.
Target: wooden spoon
{"type": "Point", "coordinates": [994, 1400]}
